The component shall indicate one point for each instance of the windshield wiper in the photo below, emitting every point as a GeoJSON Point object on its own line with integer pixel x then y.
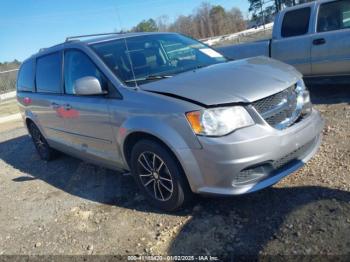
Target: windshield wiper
{"type": "Point", "coordinates": [151, 77]}
{"type": "Point", "coordinates": [148, 78]}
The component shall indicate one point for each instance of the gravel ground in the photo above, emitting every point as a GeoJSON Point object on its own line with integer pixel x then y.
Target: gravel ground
{"type": "Point", "coordinates": [70, 207]}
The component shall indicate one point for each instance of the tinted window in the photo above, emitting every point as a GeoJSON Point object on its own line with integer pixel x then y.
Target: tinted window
{"type": "Point", "coordinates": [296, 22]}
{"type": "Point", "coordinates": [26, 77]}
{"type": "Point", "coordinates": [48, 73]}
{"type": "Point", "coordinates": [78, 65]}
{"type": "Point", "coordinates": [333, 16]}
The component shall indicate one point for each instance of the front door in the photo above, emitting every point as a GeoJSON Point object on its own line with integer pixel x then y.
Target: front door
{"type": "Point", "coordinates": [87, 118]}
{"type": "Point", "coordinates": [330, 53]}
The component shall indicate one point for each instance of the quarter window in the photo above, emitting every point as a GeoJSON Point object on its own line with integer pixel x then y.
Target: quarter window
{"type": "Point", "coordinates": [78, 65]}
{"type": "Point", "coordinates": [296, 22]}
{"type": "Point", "coordinates": [26, 77]}
{"type": "Point", "coordinates": [333, 16]}
{"type": "Point", "coordinates": [48, 73]}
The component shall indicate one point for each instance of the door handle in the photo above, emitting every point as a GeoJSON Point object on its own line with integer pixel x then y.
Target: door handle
{"type": "Point", "coordinates": [319, 41]}
{"type": "Point", "coordinates": [67, 107]}
{"type": "Point", "coordinates": [55, 105]}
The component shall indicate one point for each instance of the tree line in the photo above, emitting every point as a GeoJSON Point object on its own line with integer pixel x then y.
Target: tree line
{"type": "Point", "coordinates": [265, 10]}
{"type": "Point", "coordinates": [213, 20]}
{"type": "Point", "coordinates": [206, 21]}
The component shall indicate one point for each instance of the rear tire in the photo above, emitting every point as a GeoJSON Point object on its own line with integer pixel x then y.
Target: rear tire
{"type": "Point", "coordinates": [159, 175]}
{"type": "Point", "coordinates": [42, 147]}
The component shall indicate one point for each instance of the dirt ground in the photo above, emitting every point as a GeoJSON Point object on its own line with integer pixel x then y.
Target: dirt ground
{"type": "Point", "coordinates": [70, 207]}
{"type": "Point", "coordinates": [8, 107]}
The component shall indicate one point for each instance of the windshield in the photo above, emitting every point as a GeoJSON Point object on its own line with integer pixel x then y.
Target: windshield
{"type": "Point", "coordinates": [140, 59]}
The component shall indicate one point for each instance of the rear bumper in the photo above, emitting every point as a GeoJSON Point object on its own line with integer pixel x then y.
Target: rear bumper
{"type": "Point", "coordinates": [252, 158]}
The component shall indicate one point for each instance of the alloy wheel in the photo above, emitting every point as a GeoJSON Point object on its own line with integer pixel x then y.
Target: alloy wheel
{"type": "Point", "coordinates": [155, 176]}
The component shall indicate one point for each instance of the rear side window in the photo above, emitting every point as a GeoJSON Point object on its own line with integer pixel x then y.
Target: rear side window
{"type": "Point", "coordinates": [333, 16]}
{"type": "Point", "coordinates": [48, 73]}
{"type": "Point", "coordinates": [296, 22]}
{"type": "Point", "coordinates": [78, 65]}
{"type": "Point", "coordinates": [26, 77]}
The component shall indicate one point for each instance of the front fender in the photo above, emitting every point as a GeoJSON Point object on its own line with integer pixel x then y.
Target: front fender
{"type": "Point", "coordinates": [176, 134]}
{"type": "Point", "coordinates": [173, 131]}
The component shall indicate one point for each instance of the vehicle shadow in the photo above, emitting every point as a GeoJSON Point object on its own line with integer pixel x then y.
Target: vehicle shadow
{"type": "Point", "coordinates": [72, 175]}
{"type": "Point", "coordinates": [329, 94]}
{"type": "Point", "coordinates": [279, 221]}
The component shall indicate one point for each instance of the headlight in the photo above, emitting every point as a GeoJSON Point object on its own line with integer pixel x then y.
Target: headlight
{"type": "Point", "coordinates": [219, 121]}
{"type": "Point", "coordinates": [303, 98]}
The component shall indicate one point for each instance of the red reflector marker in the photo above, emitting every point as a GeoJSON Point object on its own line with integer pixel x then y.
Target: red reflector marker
{"type": "Point", "coordinates": [27, 101]}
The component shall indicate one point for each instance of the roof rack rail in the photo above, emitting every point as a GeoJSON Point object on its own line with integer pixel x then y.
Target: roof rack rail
{"type": "Point", "coordinates": [83, 36]}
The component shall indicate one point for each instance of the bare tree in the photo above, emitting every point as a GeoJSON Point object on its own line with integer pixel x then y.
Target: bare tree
{"type": "Point", "coordinates": [203, 16]}
{"type": "Point", "coordinates": [236, 19]}
{"type": "Point", "coordinates": [163, 23]}
{"type": "Point", "coordinates": [218, 18]}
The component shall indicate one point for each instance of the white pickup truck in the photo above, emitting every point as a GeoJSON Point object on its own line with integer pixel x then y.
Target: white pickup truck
{"type": "Point", "coordinates": [313, 37]}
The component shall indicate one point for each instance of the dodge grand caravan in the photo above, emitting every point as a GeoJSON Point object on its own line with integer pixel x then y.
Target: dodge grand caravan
{"type": "Point", "coordinates": [178, 115]}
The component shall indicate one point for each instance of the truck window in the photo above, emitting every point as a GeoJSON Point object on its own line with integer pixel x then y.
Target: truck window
{"type": "Point", "coordinates": [296, 22]}
{"type": "Point", "coordinates": [333, 16]}
{"type": "Point", "coordinates": [48, 73]}
{"type": "Point", "coordinates": [26, 77]}
{"type": "Point", "coordinates": [78, 65]}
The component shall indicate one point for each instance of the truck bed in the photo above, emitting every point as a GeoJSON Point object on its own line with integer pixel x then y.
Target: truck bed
{"type": "Point", "coordinates": [240, 51]}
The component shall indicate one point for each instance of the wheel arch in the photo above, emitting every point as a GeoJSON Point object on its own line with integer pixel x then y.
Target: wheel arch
{"type": "Point", "coordinates": [28, 120]}
{"type": "Point", "coordinates": [133, 138]}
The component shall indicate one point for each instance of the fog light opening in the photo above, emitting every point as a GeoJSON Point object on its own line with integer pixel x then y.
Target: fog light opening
{"type": "Point", "coordinates": [250, 175]}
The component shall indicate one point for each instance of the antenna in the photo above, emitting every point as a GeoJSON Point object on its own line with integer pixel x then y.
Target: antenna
{"type": "Point", "coordinates": [69, 38]}
{"type": "Point", "coordinates": [130, 61]}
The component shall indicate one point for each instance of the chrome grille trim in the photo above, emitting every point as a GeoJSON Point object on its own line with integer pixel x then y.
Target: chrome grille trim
{"type": "Point", "coordinates": [280, 110]}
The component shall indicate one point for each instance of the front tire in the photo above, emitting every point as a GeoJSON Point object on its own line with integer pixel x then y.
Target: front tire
{"type": "Point", "coordinates": [159, 175]}
{"type": "Point", "coordinates": [42, 147]}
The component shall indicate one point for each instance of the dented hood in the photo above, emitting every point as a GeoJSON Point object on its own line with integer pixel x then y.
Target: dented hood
{"type": "Point", "coordinates": [237, 81]}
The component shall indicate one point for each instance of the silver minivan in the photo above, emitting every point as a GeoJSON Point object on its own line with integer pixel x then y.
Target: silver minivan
{"type": "Point", "coordinates": [178, 115]}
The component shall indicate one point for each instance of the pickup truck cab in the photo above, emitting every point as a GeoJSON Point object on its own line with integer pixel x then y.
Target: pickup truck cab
{"type": "Point", "coordinates": [313, 37]}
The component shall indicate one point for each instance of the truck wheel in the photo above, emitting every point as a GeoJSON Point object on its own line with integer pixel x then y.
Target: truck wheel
{"type": "Point", "coordinates": [159, 175]}
{"type": "Point", "coordinates": [42, 147]}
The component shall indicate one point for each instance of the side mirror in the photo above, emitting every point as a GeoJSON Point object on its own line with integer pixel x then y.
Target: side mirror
{"type": "Point", "coordinates": [88, 85]}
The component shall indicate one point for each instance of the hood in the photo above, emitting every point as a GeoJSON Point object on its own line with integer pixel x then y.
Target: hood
{"type": "Point", "coordinates": [244, 81]}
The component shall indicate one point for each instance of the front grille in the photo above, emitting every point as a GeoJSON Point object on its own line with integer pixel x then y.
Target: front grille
{"type": "Point", "coordinates": [294, 155]}
{"type": "Point", "coordinates": [280, 110]}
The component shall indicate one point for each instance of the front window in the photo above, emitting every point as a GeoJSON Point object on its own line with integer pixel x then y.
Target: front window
{"type": "Point", "coordinates": [140, 59]}
{"type": "Point", "coordinates": [296, 22]}
{"type": "Point", "coordinates": [78, 65]}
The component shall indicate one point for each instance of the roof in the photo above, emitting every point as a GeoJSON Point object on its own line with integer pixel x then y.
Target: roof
{"type": "Point", "coordinates": [120, 36]}
{"type": "Point", "coordinates": [91, 39]}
